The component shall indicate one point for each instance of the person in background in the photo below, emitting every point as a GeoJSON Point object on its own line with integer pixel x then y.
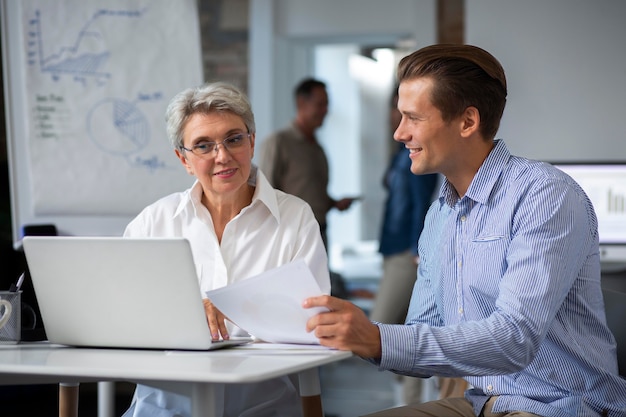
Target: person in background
{"type": "Point", "coordinates": [295, 162]}
{"type": "Point", "coordinates": [408, 199]}
{"type": "Point", "coordinates": [508, 292]}
{"type": "Point", "coordinates": [238, 226]}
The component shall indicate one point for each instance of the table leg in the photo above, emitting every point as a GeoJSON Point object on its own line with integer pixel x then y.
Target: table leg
{"type": "Point", "coordinates": [312, 406]}
{"type": "Point", "coordinates": [68, 399]}
{"type": "Point", "coordinates": [203, 400]}
{"type": "Point", "coordinates": [106, 399]}
{"type": "Point", "coordinates": [310, 392]}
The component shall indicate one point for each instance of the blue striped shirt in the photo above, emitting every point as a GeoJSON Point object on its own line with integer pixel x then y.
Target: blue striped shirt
{"type": "Point", "coordinates": [508, 295]}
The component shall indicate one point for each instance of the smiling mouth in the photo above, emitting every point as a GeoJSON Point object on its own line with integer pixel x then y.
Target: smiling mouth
{"type": "Point", "coordinates": [226, 172]}
{"type": "Point", "coordinates": [414, 150]}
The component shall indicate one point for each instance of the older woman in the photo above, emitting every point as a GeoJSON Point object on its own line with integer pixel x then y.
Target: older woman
{"type": "Point", "coordinates": [238, 226]}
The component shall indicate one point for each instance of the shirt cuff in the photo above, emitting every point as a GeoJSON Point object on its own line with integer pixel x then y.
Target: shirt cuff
{"type": "Point", "coordinates": [399, 347]}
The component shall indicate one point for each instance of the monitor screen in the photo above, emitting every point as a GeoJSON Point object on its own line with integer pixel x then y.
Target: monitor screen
{"type": "Point", "coordinates": [605, 184]}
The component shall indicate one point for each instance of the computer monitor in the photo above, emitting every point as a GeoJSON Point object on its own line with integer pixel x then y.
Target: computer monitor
{"type": "Point", "coordinates": [605, 184]}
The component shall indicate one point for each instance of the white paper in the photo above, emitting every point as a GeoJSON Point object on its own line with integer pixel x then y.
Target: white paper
{"type": "Point", "coordinates": [282, 346]}
{"type": "Point", "coordinates": [269, 305]}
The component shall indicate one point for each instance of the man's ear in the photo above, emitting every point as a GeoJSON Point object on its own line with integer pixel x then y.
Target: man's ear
{"type": "Point", "coordinates": [183, 160]}
{"type": "Point", "coordinates": [470, 121]}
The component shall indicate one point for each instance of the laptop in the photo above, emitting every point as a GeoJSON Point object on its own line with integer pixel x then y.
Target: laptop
{"type": "Point", "coordinates": [116, 292]}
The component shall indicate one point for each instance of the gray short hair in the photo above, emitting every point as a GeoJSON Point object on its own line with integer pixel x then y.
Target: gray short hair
{"type": "Point", "coordinates": [208, 98]}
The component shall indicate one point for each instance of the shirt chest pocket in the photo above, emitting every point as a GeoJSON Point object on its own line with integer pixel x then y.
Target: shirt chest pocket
{"type": "Point", "coordinates": [486, 255]}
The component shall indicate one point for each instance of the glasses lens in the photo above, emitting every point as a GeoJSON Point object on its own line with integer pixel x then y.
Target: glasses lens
{"type": "Point", "coordinates": [231, 143]}
{"type": "Point", "coordinates": [234, 142]}
{"type": "Point", "coordinates": [203, 148]}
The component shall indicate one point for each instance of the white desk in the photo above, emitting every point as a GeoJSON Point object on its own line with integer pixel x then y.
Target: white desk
{"type": "Point", "coordinates": [193, 373]}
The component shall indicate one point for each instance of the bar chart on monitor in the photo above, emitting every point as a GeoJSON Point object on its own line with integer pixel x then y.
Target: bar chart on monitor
{"type": "Point", "coordinates": [605, 185]}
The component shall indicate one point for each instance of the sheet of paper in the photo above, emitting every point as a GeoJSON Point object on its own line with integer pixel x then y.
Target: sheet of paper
{"type": "Point", "coordinates": [269, 305]}
{"type": "Point", "coordinates": [273, 347]}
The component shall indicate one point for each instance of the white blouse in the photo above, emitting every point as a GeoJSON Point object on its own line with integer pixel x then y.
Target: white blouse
{"type": "Point", "coordinates": [276, 228]}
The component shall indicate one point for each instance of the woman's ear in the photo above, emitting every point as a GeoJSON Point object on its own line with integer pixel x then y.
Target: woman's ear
{"type": "Point", "coordinates": [183, 160]}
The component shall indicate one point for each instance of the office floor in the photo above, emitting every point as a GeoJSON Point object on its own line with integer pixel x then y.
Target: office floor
{"type": "Point", "coordinates": [353, 388]}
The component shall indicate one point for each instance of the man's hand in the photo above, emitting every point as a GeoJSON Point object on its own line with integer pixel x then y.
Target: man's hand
{"type": "Point", "coordinates": [216, 320]}
{"type": "Point", "coordinates": [344, 327]}
{"type": "Point", "coordinates": [345, 203]}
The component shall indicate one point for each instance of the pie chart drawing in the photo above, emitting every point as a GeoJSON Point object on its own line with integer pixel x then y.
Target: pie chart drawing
{"type": "Point", "coordinates": [118, 127]}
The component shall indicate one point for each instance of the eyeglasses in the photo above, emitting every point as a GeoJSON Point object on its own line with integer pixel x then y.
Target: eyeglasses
{"type": "Point", "coordinates": [231, 143]}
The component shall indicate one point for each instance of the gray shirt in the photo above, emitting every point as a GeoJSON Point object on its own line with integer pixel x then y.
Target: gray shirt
{"type": "Point", "coordinates": [299, 167]}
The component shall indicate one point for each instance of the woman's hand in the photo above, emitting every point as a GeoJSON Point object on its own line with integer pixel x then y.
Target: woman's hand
{"type": "Point", "coordinates": [216, 319]}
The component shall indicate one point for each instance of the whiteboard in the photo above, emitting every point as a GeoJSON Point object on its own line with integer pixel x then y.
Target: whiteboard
{"type": "Point", "coordinates": [86, 88]}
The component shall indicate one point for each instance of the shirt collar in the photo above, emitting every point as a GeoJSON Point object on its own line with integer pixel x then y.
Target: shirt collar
{"type": "Point", "coordinates": [263, 194]}
{"type": "Point", "coordinates": [482, 184]}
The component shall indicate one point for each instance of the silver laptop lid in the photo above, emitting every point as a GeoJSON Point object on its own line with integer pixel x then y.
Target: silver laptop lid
{"type": "Point", "coordinates": [118, 292]}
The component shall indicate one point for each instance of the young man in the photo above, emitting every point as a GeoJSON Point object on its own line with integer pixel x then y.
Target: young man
{"type": "Point", "coordinates": [508, 292]}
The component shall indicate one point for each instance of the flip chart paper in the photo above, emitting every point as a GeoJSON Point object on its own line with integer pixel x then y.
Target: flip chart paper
{"type": "Point", "coordinates": [98, 78]}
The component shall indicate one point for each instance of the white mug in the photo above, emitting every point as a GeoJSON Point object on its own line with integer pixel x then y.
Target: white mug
{"type": "Point", "coordinates": [8, 308]}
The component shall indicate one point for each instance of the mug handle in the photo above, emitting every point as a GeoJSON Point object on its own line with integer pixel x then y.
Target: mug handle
{"type": "Point", "coordinates": [8, 308]}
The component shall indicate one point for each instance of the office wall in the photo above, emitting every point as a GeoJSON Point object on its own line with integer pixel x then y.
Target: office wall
{"type": "Point", "coordinates": [565, 62]}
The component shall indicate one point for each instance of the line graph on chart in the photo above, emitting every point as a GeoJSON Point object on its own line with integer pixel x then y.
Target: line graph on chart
{"type": "Point", "coordinates": [85, 57]}
{"type": "Point", "coordinates": [82, 53]}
